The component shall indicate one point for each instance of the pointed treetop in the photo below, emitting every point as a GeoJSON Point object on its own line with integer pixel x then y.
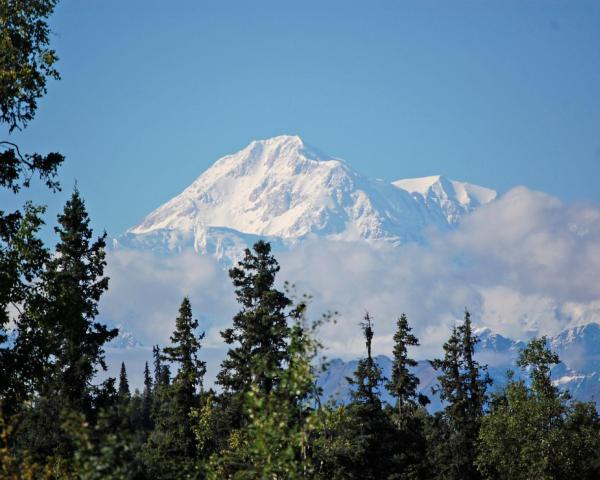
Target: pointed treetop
{"type": "Point", "coordinates": [124, 392]}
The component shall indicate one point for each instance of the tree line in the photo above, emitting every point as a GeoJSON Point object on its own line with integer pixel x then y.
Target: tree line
{"type": "Point", "coordinates": [264, 418]}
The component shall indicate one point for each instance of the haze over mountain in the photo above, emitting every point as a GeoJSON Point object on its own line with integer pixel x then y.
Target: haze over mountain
{"type": "Point", "coordinates": [285, 190]}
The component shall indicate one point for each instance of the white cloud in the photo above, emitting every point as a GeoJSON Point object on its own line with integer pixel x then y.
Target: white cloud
{"type": "Point", "coordinates": [524, 264]}
{"type": "Point", "coordinates": [145, 292]}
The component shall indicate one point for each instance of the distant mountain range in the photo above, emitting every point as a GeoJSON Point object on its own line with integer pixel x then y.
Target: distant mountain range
{"type": "Point", "coordinates": [578, 372]}
{"type": "Point", "coordinates": [284, 190]}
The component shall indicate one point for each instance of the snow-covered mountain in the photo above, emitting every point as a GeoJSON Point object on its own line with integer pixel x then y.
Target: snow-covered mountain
{"type": "Point", "coordinates": [284, 190]}
{"type": "Point", "coordinates": [124, 340]}
{"type": "Point", "coordinates": [450, 198]}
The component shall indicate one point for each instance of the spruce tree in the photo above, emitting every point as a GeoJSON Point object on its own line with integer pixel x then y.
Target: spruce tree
{"type": "Point", "coordinates": [403, 384]}
{"type": "Point", "coordinates": [408, 414]}
{"type": "Point", "coordinates": [462, 386]}
{"type": "Point", "coordinates": [367, 377]}
{"type": "Point", "coordinates": [73, 284]}
{"type": "Point", "coordinates": [477, 378]}
{"type": "Point", "coordinates": [185, 345]}
{"type": "Point", "coordinates": [58, 328]}
{"type": "Point", "coordinates": [157, 364]}
{"type": "Point", "coordinates": [59, 320]}
{"type": "Point", "coordinates": [259, 334]}
{"type": "Point", "coordinates": [162, 379]}
{"type": "Point", "coordinates": [171, 447]}
{"type": "Point", "coordinates": [364, 440]}
{"type": "Point", "coordinates": [275, 443]}
{"type": "Point", "coordinates": [123, 392]}
{"type": "Point", "coordinates": [147, 400]}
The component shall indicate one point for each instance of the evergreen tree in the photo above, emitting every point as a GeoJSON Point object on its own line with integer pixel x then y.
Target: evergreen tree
{"type": "Point", "coordinates": [362, 442]}
{"type": "Point", "coordinates": [123, 392]}
{"type": "Point", "coordinates": [171, 447]}
{"type": "Point", "coordinates": [73, 285]}
{"type": "Point", "coordinates": [184, 351]}
{"type": "Point", "coordinates": [367, 377]}
{"type": "Point", "coordinates": [409, 415]}
{"type": "Point", "coordinates": [157, 364]}
{"type": "Point", "coordinates": [462, 386]}
{"type": "Point", "coordinates": [165, 377]}
{"type": "Point", "coordinates": [162, 380]}
{"type": "Point", "coordinates": [275, 441]}
{"type": "Point", "coordinates": [403, 384]}
{"type": "Point", "coordinates": [477, 378]}
{"type": "Point", "coordinates": [58, 325]}
{"type": "Point", "coordinates": [260, 332]}
{"type": "Point", "coordinates": [147, 399]}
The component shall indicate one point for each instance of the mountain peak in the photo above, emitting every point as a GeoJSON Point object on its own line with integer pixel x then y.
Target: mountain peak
{"type": "Point", "coordinates": [293, 140]}
{"type": "Point", "coordinates": [419, 184]}
{"type": "Point", "coordinates": [284, 152]}
{"type": "Point", "coordinates": [282, 188]}
{"type": "Point", "coordinates": [452, 197]}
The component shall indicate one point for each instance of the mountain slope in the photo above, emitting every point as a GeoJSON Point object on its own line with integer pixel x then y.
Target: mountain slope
{"type": "Point", "coordinates": [451, 198]}
{"type": "Point", "coordinates": [284, 190]}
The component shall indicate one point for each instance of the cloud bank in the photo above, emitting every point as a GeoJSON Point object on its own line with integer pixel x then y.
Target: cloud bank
{"type": "Point", "coordinates": [524, 264]}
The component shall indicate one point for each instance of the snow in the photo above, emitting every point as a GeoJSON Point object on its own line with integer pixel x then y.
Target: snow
{"type": "Point", "coordinates": [453, 198]}
{"type": "Point", "coordinates": [417, 185]}
{"type": "Point", "coordinates": [283, 188]}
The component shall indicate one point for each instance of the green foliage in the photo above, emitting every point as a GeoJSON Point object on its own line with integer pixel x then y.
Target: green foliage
{"type": "Point", "coordinates": [268, 422]}
{"type": "Point", "coordinates": [22, 257]}
{"type": "Point", "coordinates": [540, 359]}
{"type": "Point", "coordinates": [259, 329]}
{"type": "Point", "coordinates": [26, 61]}
{"type": "Point", "coordinates": [403, 384]}
{"type": "Point", "coordinates": [15, 466]}
{"type": "Point", "coordinates": [462, 386]}
{"type": "Point", "coordinates": [184, 351]}
{"type": "Point", "coordinates": [17, 169]}
{"type": "Point", "coordinates": [205, 424]}
{"type": "Point", "coordinates": [409, 417]}
{"type": "Point", "coordinates": [59, 340]}
{"type": "Point", "coordinates": [275, 441]}
{"type": "Point", "coordinates": [367, 377]}
{"type": "Point", "coordinates": [258, 338]}
{"type": "Point", "coordinates": [103, 451]}
{"type": "Point", "coordinates": [171, 446]}
{"type": "Point", "coordinates": [535, 432]}
{"type": "Point", "coordinates": [363, 442]}
{"type": "Point", "coordinates": [73, 283]}
{"type": "Point", "coordinates": [147, 399]}
{"type": "Point", "coordinates": [123, 392]}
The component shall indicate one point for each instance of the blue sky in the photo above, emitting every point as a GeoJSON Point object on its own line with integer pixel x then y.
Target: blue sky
{"type": "Point", "coordinates": [497, 93]}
